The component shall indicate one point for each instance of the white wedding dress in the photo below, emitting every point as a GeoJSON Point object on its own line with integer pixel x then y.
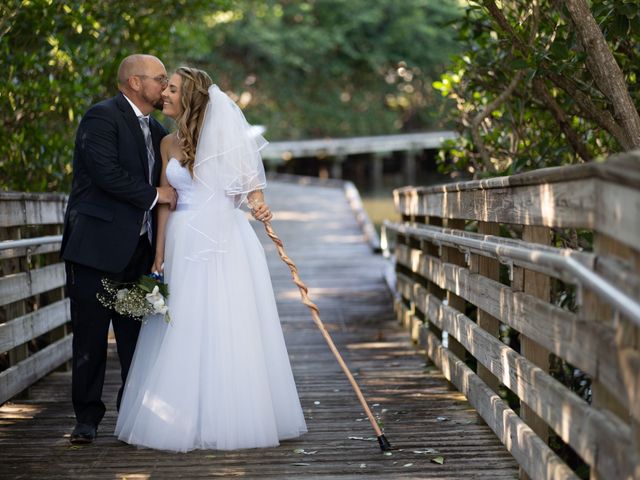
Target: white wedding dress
{"type": "Point", "coordinates": [218, 375]}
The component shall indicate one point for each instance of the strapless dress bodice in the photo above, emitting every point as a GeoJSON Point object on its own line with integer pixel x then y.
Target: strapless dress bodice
{"type": "Point", "coordinates": [180, 178]}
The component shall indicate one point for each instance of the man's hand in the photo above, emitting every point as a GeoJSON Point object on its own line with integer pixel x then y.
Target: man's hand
{"type": "Point", "coordinates": [167, 195]}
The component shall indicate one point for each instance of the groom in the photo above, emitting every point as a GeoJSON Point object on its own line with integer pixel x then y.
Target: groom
{"type": "Point", "coordinates": [109, 228]}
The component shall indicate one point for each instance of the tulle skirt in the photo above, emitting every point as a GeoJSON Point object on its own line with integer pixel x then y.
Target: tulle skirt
{"type": "Point", "coordinates": [218, 375]}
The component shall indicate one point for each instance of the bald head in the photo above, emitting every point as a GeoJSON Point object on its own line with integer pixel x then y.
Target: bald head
{"type": "Point", "coordinates": [136, 64]}
{"type": "Point", "coordinates": [142, 78]}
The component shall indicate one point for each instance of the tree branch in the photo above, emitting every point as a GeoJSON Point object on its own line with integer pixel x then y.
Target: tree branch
{"type": "Point", "coordinates": [485, 112]}
{"type": "Point", "coordinates": [542, 92]}
{"type": "Point", "coordinates": [588, 108]}
{"type": "Point", "coordinates": [605, 70]}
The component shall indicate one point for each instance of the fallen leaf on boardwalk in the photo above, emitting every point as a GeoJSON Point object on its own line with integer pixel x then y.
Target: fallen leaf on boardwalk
{"type": "Point", "coordinates": [441, 419]}
{"type": "Point", "coordinates": [363, 465]}
{"type": "Point", "coordinates": [408, 465]}
{"type": "Point", "coordinates": [438, 460]}
{"type": "Point", "coordinates": [76, 447]}
{"type": "Point", "coordinates": [387, 454]}
{"type": "Point", "coordinates": [316, 403]}
{"type": "Point", "coordinates": [303, 451]}
{"type": "Point", "coordinates": [300, 464]}
{"type": "Point", "coordinates": [367, 439]}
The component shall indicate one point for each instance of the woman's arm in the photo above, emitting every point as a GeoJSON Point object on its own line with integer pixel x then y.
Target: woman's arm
{"type": "Point", "coordinates": [259, 209]}
{"type": "Point", "coordinates": [162, 209]}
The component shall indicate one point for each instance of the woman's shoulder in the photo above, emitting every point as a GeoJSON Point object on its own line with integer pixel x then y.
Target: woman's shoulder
{"type": "Point", "coordinates": [170, 140]}
{"type": "Point", "coordinates": [170, 146]}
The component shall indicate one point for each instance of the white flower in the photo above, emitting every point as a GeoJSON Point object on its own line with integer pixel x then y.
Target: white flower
{"type": "Point", "coordinates": [122, 293]}
{"type": "Point", "coordinates": [154, 296]}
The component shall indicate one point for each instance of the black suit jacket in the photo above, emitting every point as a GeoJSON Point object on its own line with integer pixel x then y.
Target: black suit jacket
{"type": "Point", "coordinates": [110, 190]}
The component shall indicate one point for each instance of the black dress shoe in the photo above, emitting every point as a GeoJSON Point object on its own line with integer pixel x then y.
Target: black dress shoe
{"type": "Point", "coordinates": [83, 434]}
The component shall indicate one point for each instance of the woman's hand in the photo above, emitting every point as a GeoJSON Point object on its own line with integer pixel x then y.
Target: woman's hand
{"type": "Point", "coordinates": [158, 265]}
{"type": "Point", "coordinates": [261, 212]}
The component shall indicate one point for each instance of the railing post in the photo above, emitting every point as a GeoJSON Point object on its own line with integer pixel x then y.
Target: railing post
{"type": "Point", "coordinates": [409, 167]}
{"type": "Point", "coordinates": [432, 288]}
{"type": "Point", "coordinates": [627, 343]}
{"type": "Point", "coordinates": [488, 268]}
{"type": "Point", "coordinates": [377, 171]}
{"type": "Point", "coordinates": [537, 285]}
{"type": "Point", "coordinates": [456, 257]}
{"type": "Point", "coordinates": [336, 165]}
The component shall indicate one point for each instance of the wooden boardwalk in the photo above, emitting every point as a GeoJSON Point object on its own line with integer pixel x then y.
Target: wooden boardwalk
{"type": "Point", "coordinates": [421, 416]}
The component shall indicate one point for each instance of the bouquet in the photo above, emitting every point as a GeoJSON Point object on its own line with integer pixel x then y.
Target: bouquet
{"type": "Point", "coordinates": [147, 296]}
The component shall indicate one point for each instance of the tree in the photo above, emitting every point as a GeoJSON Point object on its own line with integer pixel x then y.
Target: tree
{"type": "Point", "coordinates": [552, 83]}
{"type": "Point", "coordinates": [327, 68]}
{"type": "Point", "coordinates": [57, 59]}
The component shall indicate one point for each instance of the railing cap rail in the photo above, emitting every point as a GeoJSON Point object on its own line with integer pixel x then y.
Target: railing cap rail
{"type": "Point", "coordinates": [33, 196]}
{"type": "Point", "coordinates": [623, 168]}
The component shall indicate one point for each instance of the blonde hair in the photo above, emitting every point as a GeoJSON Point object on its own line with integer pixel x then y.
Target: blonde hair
{"type": "Point", "coordinates": [193, 99]}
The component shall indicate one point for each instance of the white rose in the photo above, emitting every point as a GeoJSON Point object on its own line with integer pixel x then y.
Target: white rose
{"type": "Point", "coordinates": [122, 293]}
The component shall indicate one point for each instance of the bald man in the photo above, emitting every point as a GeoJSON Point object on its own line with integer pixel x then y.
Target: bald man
{"type": "Point", "coordinates": [109, 227]}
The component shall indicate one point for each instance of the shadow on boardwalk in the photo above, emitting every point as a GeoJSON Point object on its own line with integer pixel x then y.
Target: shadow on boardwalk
{"type": "Point", "coordinates": [421, 416]}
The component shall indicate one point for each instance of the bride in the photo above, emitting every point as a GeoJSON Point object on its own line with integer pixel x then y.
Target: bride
{"type": "Point", "coordinates": [218, 375]}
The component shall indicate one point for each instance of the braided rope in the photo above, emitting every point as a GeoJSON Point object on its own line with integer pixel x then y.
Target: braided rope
{"type": "Point", "coordinates": [315, 314]}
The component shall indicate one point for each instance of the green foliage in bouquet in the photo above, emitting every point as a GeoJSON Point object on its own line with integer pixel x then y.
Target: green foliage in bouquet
{"type": "Point", "coordinates": [146, 296]}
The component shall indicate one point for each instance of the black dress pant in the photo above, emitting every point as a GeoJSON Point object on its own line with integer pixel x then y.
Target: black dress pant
{"type": "Point", "coordinates": [90, 321]}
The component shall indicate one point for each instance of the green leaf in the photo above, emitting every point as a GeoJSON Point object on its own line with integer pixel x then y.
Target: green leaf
{"type": "Point", "coordinates": [439, 460]}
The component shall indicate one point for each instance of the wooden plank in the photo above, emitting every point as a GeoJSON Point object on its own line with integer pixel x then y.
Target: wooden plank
{"type": "Point", "coordinates": [26, 284]}
{"type": "Point", "coordinates": [23, 252]}
{"type": "Point", "coordinates": [20, 376]}
{"type": "Point", "coordinates": [280, 151]}
{"type": "Point", "coordinates": [600, 440]}
{"type": "Point", "coordinates": [7, 267]}
{"type": "Point", "coordinates": [530, 452]}
{"type": "Point", "coordinates": [588, 346]}
{"type": "Point", "coordinates": [618, 213]}
{"type": "Point", "coordinates": [18, 209]}
{"type": "Point", "coordinates": [27, 327]}
{"type": "Point", "coordinates": [568, 205]}
{"type": "Point", "coordinates": [623, 169]}
{"type": "Point", "coordinates": [411, 400]}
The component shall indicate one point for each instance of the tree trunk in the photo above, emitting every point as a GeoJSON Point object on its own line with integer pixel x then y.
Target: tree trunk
{"type": "Point", "coordinates": [605, 70]}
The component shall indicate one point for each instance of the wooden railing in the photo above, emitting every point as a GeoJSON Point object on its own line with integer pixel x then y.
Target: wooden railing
{"type": "Point", "coordinates": [516, 287]}
{"type": "Point", "coordinates": [34, 314]}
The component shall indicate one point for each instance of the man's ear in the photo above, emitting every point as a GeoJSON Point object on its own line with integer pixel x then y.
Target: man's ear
{"type": "Point", "coordinates": [135, 83]}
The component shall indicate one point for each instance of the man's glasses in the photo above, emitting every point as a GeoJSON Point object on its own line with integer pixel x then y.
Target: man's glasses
{"type": "Point", "coordinates": [161, 79]}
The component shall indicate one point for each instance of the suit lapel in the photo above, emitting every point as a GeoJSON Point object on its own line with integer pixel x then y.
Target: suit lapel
{"type": "Point", "coordinates": [134, 126]}
{"type": "Point", "coordinates": [157, 161]}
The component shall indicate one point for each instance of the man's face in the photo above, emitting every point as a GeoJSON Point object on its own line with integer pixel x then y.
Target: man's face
{"type": "Point", "coordinates": [153, 83]}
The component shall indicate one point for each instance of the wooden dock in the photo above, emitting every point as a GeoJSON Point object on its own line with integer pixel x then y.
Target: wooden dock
{"type": "Point", "coordinates": [426, 420]}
